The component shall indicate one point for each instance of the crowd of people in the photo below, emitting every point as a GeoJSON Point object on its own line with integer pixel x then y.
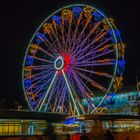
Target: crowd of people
{"type": "Point", "coordinates": [84, 136]}
{"type": "Point", "coordinates": [96, 134]}
{"type": "Point", "coordinates": [50, 135]}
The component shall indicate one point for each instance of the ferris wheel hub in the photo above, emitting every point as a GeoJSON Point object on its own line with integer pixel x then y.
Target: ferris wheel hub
{"type": "Point", "coordinates": [59, 63]}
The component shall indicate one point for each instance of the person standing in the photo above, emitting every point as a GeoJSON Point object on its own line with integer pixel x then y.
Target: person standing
{"type": "Point", "coordinates": [109, 136]}
{"type": "Point", "coordinates": [67, 137]}
{"type": "Point", "coordinates": [50, 133]}
{"type": "Point", "coordinates": [84, 136]}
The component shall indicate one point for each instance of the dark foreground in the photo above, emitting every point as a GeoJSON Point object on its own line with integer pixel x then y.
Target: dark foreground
{"type": "Point", "coordinates": [118, 136]}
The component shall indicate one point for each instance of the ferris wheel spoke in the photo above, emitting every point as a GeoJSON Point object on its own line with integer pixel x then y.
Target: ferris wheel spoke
{"type": "Point", "coordinates": [95, 27]}
{"type": "Point", "coordinates": [91, 93]}
{"type": "Point", "coordinates": [96, 64]}
{"type": "Point", "coordinates": [102, 43]}
{"type": "Point", "coordinates": [79, 101]}
{"type": "Point", "coordinates": [54, 95]}
{"type": "Point", "coordinates": [49, 88]}
{"type": "Point", "coordinates": [88, 97]}
{"type": "Point", "coordinates": [82, 89]}
{"type": "Point", "coordinates": [50, 102]}
{"type": "Point", "coordinates": [63, 98]}
{"type": "Point", "coordinates": [57, 101]}
{"type": "Point", "coordinates": [69, 47]}
{"type": "Point", "coordinates": [53, 40]}
{"type": "Point", "coordinates": [61, 101]}
{"type": "Point", "coordinates": [33, 85]}
{"type": "Point", "coordinates": [67, 100]}
{"type": "Point", "coordinates": [68, 34]}
{"type": "Point", "coordinates": [38, 74]}
{"type": "Point", "coordinates": [95, 84]}
{"type": "Point", "coordinates": [66, 38]}
{"type": "Point", "coordinates": [37, 78]}
{"type": "Point", "coordinates": [42, 78]}
{"type": "Point", "coordinates": [62, 34]}
{"type": "Point", "coordinates": [45, 52]}
{"type": "Point", "coordinates": [55, 105]}
{"type": "Point", "coordinates": [39, 67]}
{"type": "Point", "coordinates": [82, 32]}
{"type": "Point", "coordinates": [41, 59]}
{"type": "Point", "coordinates": [101, 35]}
{"type": "Point", "coordinates": [91, 52]}
{"type": "Point", "coordinates": [102, 50]}
{"type": "Point", "coordinates": [102, 62]}
{"type": "Point", "coordinates": [104, 74]}
{"type": "Point", "coordinates": [38, 104]}
{"type": "Point", "coordinates": [58, 41]}
{"type": "Point", "coordinates": [76, 95]}
{"type": "Point", "coordinates": [56, 35]}
{"type": "Point", "coordinates": [71, 110]}
{"type": "Point", "coordinates": [49, 45]}
{"type": "Point", "coordinates": [71, 95]}
{"type": "Point", "coordinates": [76, 29]}
{"type": "Point", "coordinates": [96, 55]}
{"type": "Point", "coordinates": [96, 61]}
{"type": "Point", "coordinates": [104, 53]}
{"type": "Point", "coordinates": [38, 90]}
{"type": "Point", "coordinates": [43, 67]}
{"type": "Point", "coordinates": [57, 95]}
{"type": "Point", "coordinates": [83, 41]}
{"type": "Point", "coordinates": [52, 47]}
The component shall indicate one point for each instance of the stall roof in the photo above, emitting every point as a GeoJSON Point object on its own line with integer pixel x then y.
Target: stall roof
{"type": "Point", "coordinates": [31, 115]}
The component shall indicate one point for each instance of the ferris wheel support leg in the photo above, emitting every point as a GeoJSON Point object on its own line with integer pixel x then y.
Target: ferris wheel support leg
{"type": "Point", "coordinates": [46, 95]}
{"type": "Point", "coordinates": [71, 95]}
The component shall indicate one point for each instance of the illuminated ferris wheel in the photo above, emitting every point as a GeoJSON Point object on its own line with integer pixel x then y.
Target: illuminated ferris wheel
{"type": "Point", "coordinates": [75, 55]}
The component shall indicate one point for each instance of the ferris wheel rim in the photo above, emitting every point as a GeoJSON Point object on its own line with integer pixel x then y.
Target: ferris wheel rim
{"type": "Point", "coordinates": [116, 48]}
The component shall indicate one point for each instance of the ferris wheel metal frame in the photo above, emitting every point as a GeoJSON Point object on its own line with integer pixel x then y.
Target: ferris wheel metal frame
{"type": "Point", "coordinates": [63, 58]}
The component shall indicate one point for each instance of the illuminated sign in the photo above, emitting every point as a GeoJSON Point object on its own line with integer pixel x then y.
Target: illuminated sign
{"type": "Point", "coordinates": [71, 121]}
{"type": "Point", "coordinates": [126, 103]}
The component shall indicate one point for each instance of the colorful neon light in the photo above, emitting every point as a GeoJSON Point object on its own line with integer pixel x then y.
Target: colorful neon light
{"type": "Point", "coordinates": [74, 53]}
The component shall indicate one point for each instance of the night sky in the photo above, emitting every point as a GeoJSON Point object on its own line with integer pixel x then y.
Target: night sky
{"type": "Point", "coordinates": [19, 20]}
